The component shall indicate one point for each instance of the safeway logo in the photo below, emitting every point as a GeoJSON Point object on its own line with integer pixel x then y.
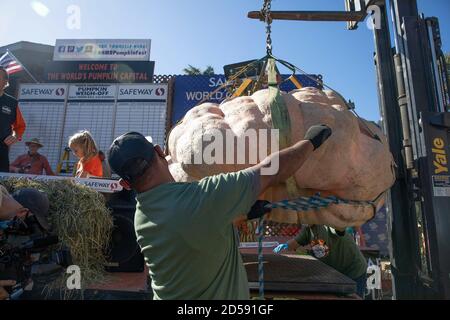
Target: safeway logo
{"type": "Point", "coordinates": [160, 91]}
{"type": "Point", "coordinates": [114, 186]}
{"type": "Point", "coordinates": [42, 92]}
{"type": "Point", "coordinates": [60, 92]}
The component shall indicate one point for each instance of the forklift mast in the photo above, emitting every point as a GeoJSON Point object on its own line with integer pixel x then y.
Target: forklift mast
{"type": "Point", "coordinates": [413, 92]}
{"type": "Point", "coordinates": [422, 89]}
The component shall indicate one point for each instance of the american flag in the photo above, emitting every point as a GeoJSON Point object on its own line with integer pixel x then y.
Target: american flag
{"type": "Point", "coordinates": [10, 63]}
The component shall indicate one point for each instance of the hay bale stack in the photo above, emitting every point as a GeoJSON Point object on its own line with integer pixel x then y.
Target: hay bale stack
{"type": "Point", "coordinates": [80, 218]}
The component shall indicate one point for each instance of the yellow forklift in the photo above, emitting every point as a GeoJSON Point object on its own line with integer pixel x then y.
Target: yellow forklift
{"type": "Point", "coordinates": [413, 88]}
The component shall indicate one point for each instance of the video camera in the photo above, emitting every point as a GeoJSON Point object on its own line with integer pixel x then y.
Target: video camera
{"type": "Point", "coordinates": [26, 251]}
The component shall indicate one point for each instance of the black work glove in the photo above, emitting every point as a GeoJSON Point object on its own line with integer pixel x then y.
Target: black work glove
{"type": "Point", "coordinates": [318, 134]}
{"type": "Point", "coordinates": [258, 210]}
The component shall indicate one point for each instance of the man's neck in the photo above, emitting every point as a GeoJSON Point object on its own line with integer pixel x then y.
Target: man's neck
{"type": "Point", "coordinates": [2, 92]}
{"type": "Point", "coordinates": [153, 184]}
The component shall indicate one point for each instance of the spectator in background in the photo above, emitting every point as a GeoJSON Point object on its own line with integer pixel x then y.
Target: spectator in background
{"type": "Point", "coordinates": [32, 162]}
{"type": "Point", "coordinates": [12, 124]}
{"type": "Point", "coordinates": [84, 148]}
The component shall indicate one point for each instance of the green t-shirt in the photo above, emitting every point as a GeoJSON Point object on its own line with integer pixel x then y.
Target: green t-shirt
{"type": "Point", "coordinates": [186, 235]}
{"type": "Point", "coordinates": [343, 253]}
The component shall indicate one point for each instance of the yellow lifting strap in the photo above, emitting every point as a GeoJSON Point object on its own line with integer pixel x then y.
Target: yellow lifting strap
{"type": "Point", "coordinates": [295, 81]}
{"type": "Point", "coordinates": [244, 85]}
{"type": "Point", "coordinates": [280, 119]}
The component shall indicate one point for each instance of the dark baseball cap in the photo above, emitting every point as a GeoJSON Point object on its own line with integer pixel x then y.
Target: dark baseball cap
{"type": "Point", "coordinates": [130, 155]}
{"type": "Point", "coordinates": [37, 202]}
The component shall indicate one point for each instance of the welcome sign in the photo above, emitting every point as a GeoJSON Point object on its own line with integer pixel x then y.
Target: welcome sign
{"type": "Point", "coordinates": [95, 72]}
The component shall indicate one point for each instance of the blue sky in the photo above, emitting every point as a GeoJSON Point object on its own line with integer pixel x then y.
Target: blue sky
{"type": "Point", "coordinates": [213, 32]}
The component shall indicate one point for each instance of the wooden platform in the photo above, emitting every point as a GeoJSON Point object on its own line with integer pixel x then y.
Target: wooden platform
{"type": "Point", "coordinates": [287, 276]}
{"type": "Point", "coordinates": [294, 275]}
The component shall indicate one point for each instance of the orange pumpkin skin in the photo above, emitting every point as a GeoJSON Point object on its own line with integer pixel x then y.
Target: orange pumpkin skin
{"type": "Point", "coordinates": [351, 164]}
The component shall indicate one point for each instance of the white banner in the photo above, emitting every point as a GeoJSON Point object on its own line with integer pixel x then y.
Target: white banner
{"type": "Point", "coordinates": [99, 185]}
{"type": "Point", "coordinates": [102, 50]}
{"type": "Point", "coordinates": [142, 92]}
{"type": "Point", "coordinates": [92, 92]}
{"type": "Point", "coordinates": [43, 91]}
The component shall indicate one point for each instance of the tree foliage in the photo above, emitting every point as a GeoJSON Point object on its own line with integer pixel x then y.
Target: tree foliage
{"type": "Point", "coordinates": [194, 71]}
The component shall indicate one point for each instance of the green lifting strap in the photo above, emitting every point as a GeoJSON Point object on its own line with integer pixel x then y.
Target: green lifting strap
{"type": "Point", "coordinates": [279, 111]}
{"type": "Point", "coordinates": [280, 118]}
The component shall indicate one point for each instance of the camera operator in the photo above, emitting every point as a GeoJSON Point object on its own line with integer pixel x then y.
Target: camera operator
{"type": "Point", "coordinates": [8, 208]}
{"type": "Point", "coordinates": [34, 204]}
{"type": "Point", "coordinates": [5, 283]}
{"type": "Point", "coordinates": [23, 204]}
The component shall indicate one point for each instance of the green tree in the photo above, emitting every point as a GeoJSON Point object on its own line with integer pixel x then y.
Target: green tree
{"type": "Point", "coordinates": [208, 71]}
{"type": "Point", "coordinates": [194, 71]}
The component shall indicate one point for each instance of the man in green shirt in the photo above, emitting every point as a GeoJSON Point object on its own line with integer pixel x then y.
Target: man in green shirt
{"type": "Point", "coordinates": [185, 230]}
{"type": "Point", "coordinates": [335, 248]}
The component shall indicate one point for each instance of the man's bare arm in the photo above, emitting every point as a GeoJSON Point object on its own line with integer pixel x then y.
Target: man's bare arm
{"type": "Point", "coordinates": [8, 206]}
{"type": "Point", "coordinates": [290, 160]}
{"type": "Point", "coordinates": [292, 245]}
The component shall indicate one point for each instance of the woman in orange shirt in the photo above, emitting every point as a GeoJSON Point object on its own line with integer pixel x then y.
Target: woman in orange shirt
{"type": "Point", "coordinates": [83, 147]}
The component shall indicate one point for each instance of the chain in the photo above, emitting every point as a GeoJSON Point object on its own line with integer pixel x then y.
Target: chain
{"type": "Point", "coordinates": [268, 20]}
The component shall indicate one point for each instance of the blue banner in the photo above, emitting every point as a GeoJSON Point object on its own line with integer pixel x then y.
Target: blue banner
{"type": "Point", "coordinates": [190, 90]}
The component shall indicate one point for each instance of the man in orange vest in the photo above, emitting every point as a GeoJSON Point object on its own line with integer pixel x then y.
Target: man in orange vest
{"type": "Point", "coordinates": [12, 124]}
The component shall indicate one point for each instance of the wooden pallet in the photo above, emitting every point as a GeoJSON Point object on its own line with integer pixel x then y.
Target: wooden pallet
{"type": "Point", "coordinates": [296, 273]}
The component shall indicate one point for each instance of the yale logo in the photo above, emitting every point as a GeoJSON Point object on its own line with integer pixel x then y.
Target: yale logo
{"type": "Point", "coordinates": [440, 156]}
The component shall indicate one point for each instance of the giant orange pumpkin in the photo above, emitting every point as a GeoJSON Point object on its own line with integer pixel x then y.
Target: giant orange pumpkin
{"type": "Point", "coordinates": [352, 165]}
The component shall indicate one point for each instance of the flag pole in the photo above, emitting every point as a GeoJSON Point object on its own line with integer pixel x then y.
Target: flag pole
{"type": "Point", "coordinates": [24, 68]}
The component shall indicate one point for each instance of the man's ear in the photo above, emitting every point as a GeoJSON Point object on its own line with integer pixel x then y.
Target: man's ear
{"type": "Point", "coordinates": [160, 151]}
